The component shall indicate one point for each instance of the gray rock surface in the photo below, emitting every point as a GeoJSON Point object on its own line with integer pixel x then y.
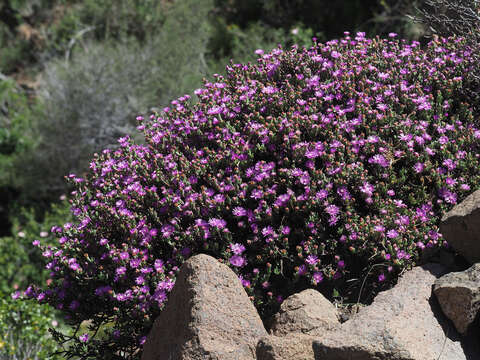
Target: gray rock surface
{"type": "Point", "coordinates": [403, 323]}
{"type": "Point", "coordinates": [292, 347]}
{"type": "Point", "coordinates": [461, 227]}
{"type": "Point", "coordinates": [458, 294]}
{"type": "Point", "coordinates": [208, 316]}
{"type": "Point", "coordinates": [307, 312]}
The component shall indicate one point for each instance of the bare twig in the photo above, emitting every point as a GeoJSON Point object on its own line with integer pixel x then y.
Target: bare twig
{"type": "Point", "coordinates": [74, 39]}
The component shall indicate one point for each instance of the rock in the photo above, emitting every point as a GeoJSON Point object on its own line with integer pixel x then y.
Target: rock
{"type": "Point", "coordinates": [402, 323]}
{"type": "Point", "coordinates": [293, 347]}
{"type": "Point", "coordinates": [307, 312]}
{"type": "Point", "coordinates": [208, 316]}
{"type": "Point", "coordinates": [459, 296]}
{"type": "Point", "coordinates": [461, 227]}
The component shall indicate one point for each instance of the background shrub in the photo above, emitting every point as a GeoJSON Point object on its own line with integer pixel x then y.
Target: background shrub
{"type": "Point", "coordinates": [91, 100]}
{"type": "Point", "coordinates": [21, 262]}
{"type": "Point", "coordinates": [16, 139]}
{"type": "Point", "coordinates": [24, 330]}
{"type": "Point", "coordinates": [313, 167]}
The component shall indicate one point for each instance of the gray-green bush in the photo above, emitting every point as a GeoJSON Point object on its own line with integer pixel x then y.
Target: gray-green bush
{"type": "Point", "coordinates": [91, 100]}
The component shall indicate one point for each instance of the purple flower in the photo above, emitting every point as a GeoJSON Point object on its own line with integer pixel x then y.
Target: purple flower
{"type": "Point", "coordinates": [381, 277]}
{"type": "Point", "coordinates": [343, 193]}
{"type": "Point", "coordinates": [83, 338]}
{"type": "Point", "coordinates": [312, 154]}
{"type": "Point", "coordinates": [267, 231]}
{"type": "Point", "coordinates": [380, 160]}
{"type": "Point", "coordinates": [217, 223]}
{"type": "Point", "coordinates": [332, 210]}
{"type": "Point", "coordinates": [419, 167]}
{"type": "Point", "coordinates": [135, 263]}
{"type": "Point", "coordinates": [237, 248]}
{"type": "Point", "coordinates": [392, 234]}
{"type": "Point", "coordinates": [322, 194]}
{"type": "Point", "coordinates": [311, 259]}
{"type": "Point", "coordinates": [167, 230]}
{"type": "Point", "coordinates": [285, 230]}
{"type": "Point", "coordinates": [367, 188]}
{"type": "Point", "coordinates": [448, 196]}
{"type": "Point", "coordinates": [238, 261]}
{"type": "Point", "coordinates": [443, 140]}
{"type": "Point", "coordinates": [269, 90]}
{"type": "Point", "coordinates": [282, 199]}
{"type": "Point", "coordinates": [302, 270]}
{"type": "Point", "coordinates": [239, 211]}
{"type": "Point", "coordinates": [215, 110]}
{"type": "Point", "coordinates": [450, 164]}
{"type": "Point", "coordinates": [317, 277]}
{"type": "Point", "coordinates": [245, 282]}
{"type": "Point", "coordinates": [256, 194]}
{"type": "Point", "coordinates": [219, 198]}
{"type": "Point", "coordinates": [160, 296]}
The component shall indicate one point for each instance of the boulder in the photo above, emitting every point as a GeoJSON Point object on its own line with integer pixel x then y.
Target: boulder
{"type": "Point", "coordinates": [293, 347]}
{"type": "Point", "coordinates": [208, 316]}
{"type": "Point", "coordinates": [459, 296]}
{"type": "Point", "coordinates": [403, 323]}
{"type": "Point", "coordinates": [461, 227]}
{"type": "Point", "coordinates": [307, 312]}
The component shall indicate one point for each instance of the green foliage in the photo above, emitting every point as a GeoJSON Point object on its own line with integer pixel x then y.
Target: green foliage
{"type": "Point", "coordinates": [24, 330]}
{"type": "Point", "coordinates": [375, 17]}
{"type": "Point", "coordinates": [15, 128]}
{"type": "Point", "coordinates": [13, 53]}
{"type": "Point", "coordinates": [230, 41]}
{"type": "Point", "coordinates": [123, 18]}
{"type": "Point", "coordinates": [21, 263]}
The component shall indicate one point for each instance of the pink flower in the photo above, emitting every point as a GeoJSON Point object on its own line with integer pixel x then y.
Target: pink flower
{"type": "Point", "coordinates": [392, 233]}
{"type": "Point", "coordinates": [237, 248]}
{"type": "Point", "coordinates": [238, 261]}
{"type": "Point", "coordinates": [317, 277]}
{"type": "Point", "coordinates": [419, 167]}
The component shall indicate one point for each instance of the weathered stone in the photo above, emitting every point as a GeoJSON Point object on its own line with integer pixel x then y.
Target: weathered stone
{"type": "Point", "coordinates": [208, 316]}
{"type": "Point", "coordinates": [459, 296]}
{"type": "Point", "coordinates": [307, 312]}
{"type": "Point", "coordinates": [292, 347]}
{"type": "Point", "coordinates": [403, 323]}
{"type": "Point", "coordinates": [461, 227]}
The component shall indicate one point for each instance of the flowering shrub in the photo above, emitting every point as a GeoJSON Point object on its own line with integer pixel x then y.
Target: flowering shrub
{"type": "Point", "coordinates": [312, 168]}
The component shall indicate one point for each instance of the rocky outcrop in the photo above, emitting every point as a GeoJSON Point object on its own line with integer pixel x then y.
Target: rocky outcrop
{"type": "Point", "coordinates": [302, 318]}
{"type": "Point", "coordinates": [307, 312]}
{"type": "Point", "coordinates": [461, 227]}
{"type": "Point", "coordinates": [295, 346]}
{"type": "Point", "coordinates": [208, 316]}
{"type": "Point", "coordinates": [459, 296]}
{"type": "Point", "coordinates": [401, 324]}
